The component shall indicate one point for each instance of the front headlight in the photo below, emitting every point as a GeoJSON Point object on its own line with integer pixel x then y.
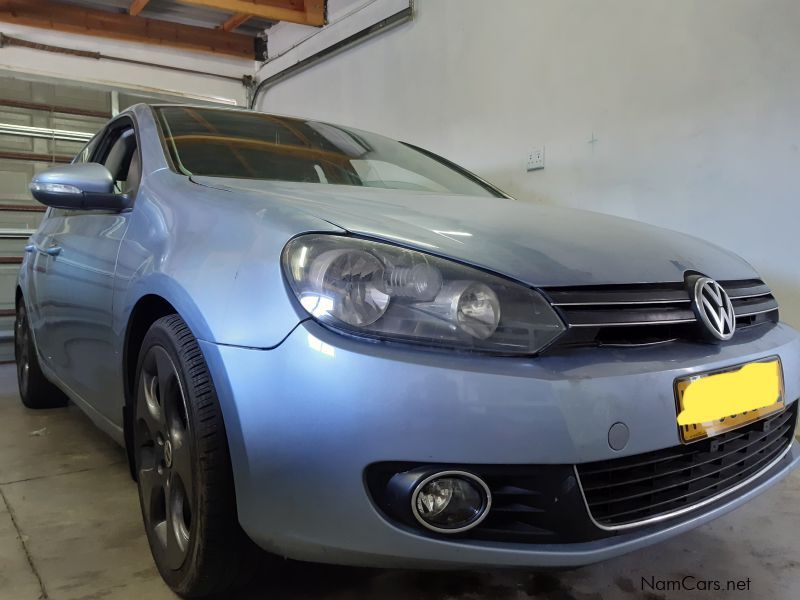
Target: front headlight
{"type": "Point", "coordinates": [386, 292]}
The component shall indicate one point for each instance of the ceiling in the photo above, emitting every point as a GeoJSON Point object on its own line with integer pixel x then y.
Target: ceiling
{"type": "Point", "coordinates": [219, 26]}
{"type": "Point", "coordinates": [175, 12]}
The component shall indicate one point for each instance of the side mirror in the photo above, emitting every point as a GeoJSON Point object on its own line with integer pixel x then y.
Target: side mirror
{"type": "Point", "coordinates": [82, 186]}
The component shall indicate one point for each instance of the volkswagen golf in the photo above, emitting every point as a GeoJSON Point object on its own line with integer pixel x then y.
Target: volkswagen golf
{"type": "Point", "coordinates": [324, 344]}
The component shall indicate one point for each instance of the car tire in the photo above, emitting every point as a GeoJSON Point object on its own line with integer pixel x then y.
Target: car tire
{"type": "Point", "coordinates": [34, 388]}
{"type": "Point", "coordinates": [183, 468]}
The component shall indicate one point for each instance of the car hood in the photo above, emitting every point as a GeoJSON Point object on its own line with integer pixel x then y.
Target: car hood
{"type": "Point", "coordinates": [538, 244]}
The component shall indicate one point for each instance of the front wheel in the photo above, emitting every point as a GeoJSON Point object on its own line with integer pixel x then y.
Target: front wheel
{"type": "Point", "coordinates": [183, 468]}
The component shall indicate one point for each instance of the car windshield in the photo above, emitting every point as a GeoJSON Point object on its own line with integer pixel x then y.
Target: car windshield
{"type": "Point", "coordinates": [251, 145]}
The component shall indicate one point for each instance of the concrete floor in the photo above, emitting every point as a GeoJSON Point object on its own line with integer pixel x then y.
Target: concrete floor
{"type": "Point", "coordinates": [70, 529]}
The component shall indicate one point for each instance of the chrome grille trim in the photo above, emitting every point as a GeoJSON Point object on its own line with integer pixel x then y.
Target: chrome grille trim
{"type": "Point", "coordinates": [745, 296]}
{"type": "Point", "coordinates": [636, 323]}
{"type": "Point", "coordinates": [633, 303]}
{"type": "Point", "coordinates": [757, 312]}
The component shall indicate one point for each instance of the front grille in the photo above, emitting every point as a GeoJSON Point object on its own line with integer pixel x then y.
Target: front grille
{"type": "Point", "coordinates": [636, 488]}
{"type": "Point", "coordinates": [650, 313]}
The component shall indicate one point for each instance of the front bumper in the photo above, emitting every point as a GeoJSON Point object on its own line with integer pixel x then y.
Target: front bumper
{"type": "Point", "coordinates": [305, 419]}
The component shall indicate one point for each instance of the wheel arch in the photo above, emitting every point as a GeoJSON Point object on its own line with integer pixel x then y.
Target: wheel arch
{"type": "Point", "coordinates": [147, 300]}
{"type": "Point", "coordinates": [147, 310]}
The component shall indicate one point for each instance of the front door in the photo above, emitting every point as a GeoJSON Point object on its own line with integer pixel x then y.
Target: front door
{"type": "Point", "coordinates": [82, 250]}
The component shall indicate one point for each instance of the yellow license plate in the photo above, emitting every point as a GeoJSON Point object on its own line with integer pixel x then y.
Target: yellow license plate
{"type": "Point", "coordinates": [712, 403]}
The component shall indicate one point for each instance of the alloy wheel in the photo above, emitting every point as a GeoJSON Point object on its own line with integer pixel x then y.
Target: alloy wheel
{"type": "Point", "coordinates": [164, 461]}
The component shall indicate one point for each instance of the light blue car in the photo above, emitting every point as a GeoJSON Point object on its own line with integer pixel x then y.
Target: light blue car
{"type": "Point", "coordinates": [342, 348]}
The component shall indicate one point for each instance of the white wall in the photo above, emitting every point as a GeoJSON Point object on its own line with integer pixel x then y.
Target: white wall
{"type": "Point", "coordinates": [694, 105]}
{"type": "Point", "coordinates": [284, 35]}
{"type": "Point", "coordinates": [145, 79]}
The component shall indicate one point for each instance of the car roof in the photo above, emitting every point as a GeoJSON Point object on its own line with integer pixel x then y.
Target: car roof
{"type": "Point", "coordinates": [218, 108]}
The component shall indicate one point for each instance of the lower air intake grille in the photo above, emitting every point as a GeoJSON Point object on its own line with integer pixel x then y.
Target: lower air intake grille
{"type": "Point", "coordinates": [636, 488]}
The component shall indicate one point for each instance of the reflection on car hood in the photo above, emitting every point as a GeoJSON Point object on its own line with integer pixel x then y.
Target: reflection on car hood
{"type": "Point", "coordinates": [535, 243]}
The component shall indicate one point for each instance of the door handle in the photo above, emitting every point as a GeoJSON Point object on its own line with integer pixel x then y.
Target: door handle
{"type": "Point", "coordinates": [53, 250]}
{"type": "Point", "coordinates": [30, 248]}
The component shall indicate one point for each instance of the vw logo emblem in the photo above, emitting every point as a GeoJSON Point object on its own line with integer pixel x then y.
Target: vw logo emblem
{"type": "Point", "coordinates": [713, 308]}
{"type": "Point", "coordinates": [168, 454]}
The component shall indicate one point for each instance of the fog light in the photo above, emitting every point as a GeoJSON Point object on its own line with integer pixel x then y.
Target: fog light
{"type": "Point", "coordinates": [451, 501]}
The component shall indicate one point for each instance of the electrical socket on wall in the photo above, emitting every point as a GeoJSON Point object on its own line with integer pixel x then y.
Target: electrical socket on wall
{"type": "Point", "coordinates": [536, 159]}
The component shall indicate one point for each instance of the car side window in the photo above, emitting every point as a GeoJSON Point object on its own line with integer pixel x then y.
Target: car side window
{"type": "Point", "coordinates": [121, 158]}
{"type": "Point", "coordinates": [85, 155]}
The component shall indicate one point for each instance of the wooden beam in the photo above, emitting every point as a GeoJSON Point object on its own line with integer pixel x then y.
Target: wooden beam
{"type": "Point", "coordinates": [74, 19]}
{"type": "Point", "coordinates": [38, 157]}
{"type": "Point", "coordinates": [274, 11]}
{"type": "Point", "coordinates": [136, 7]}
{"type": "Point", "coordinates": [315, 11]}
{"type": "Point", "coordinates": [66, 110]}
{"type": "Point", "coordinates": [234, 22]}
{"type": "Point", "coordinates": [22, 208]}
